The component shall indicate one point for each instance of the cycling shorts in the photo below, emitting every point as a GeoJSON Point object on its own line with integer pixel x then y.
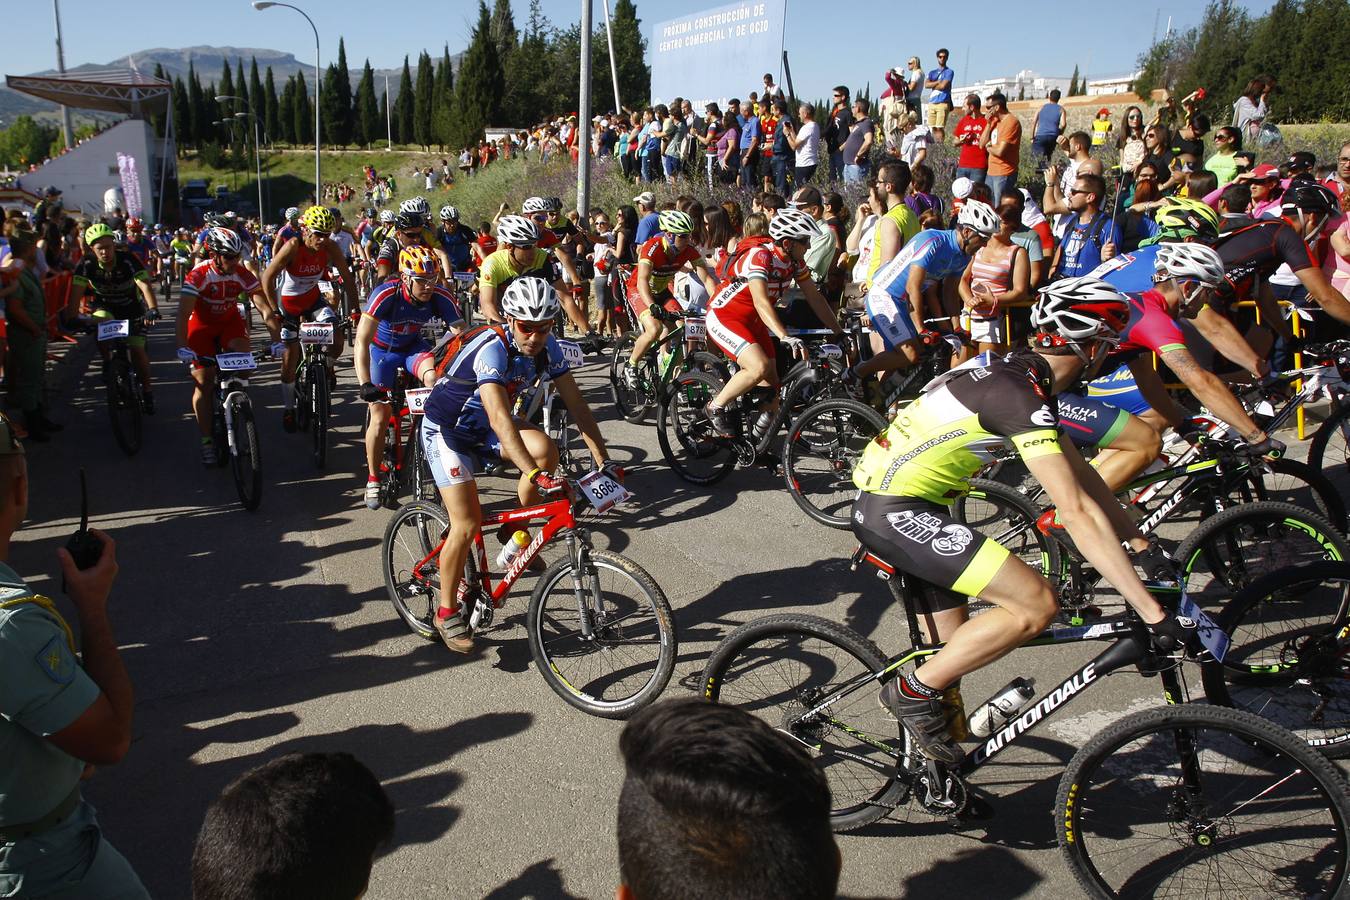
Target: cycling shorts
{"type": "Point", "coordinates": [1119, 389]}
{"type": "Point", "coordinates": [318, 310]}
{"type": "Point", "coordinates": [1090, 421]}
{"type": "Point", "coordinates": [298, 305]}
{"type": "Point", "coordinates": [385, 362]}
{"type": "Point", "coordinates": [921, 538]}
{"type": "Point", "coordinates": [131, 313]}
{"type": "Point", "coordinates": [208, 338]}
{"type": "Point", "coordinates": [890, 318]}
{"type": "Point", "coordinates": [665, 298]}
{"type": "Point", "coordinates": [452, 463]}
{"type": "Point", "coordinates": [734, 327]}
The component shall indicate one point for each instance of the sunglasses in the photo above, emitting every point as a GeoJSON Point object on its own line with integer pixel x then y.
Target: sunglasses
{"type": "Point", "coordinates": [540, 217]}
{"type": "Point", "coordinates": [1078, 191]}
{"type": "Point", "coordinates": [534, 327]}
{"type": "Point", "coordinates": [422, 279]}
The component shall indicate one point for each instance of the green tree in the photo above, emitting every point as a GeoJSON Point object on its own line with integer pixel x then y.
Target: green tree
{"type": "Point", "coordinates": [256, 98]}
{"type": "Point", "coordinates": [425, 98]}
{"type": "Point", "coordinates": [404, 108]}
{"type": "Point", "coordinates": [240, 85]}
{"type": "Point", "coordinates": [343, 96]}
{"type": "Point", "coordinates": [303, 111]}
{"type": "Point", "coordinates": [1073, 82]}
{"type": "Point", "coordinates": [286, 113]}
{"type": "Point", "coordinates": [630, 54]}
{"type": "Point", "coordinates": [1314, 85]}
{"type": "Point", "coordinates": [527, 80]}
{"type": "Point", "coordinates": [369, 127]}
{"type": "Point", "coordinates": [271, 110]}
{"type": "Point", "coordinates": [442, 107]}
{"type": "Point", "coordinates": [156, 119]}
{"type": "Point", "coordinates": [26, 141]}
{"type": "Point", "coordinates": [503, 30]}
{"type": "Point", "coordinates": [182, 114]}
{"type": "Point", "coordinates": [197, 124]}
{"type": "Point", "coordinates": [478, 93]}
{"type": "Point", "coordinates": [226, 86]}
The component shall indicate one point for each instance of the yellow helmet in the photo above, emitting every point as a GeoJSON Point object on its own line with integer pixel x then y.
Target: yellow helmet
{"type": "Point", "coordinates": [418, 261]}
{"type": "Point", "coordinates": [318, 218]}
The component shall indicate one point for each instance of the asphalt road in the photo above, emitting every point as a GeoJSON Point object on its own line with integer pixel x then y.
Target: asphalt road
{"type": "Point", "coordinates": [249, 635]}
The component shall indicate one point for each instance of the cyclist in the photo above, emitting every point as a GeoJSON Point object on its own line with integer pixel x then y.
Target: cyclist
{"type": "Point", "coordinates": [908, 288]}
{"type": "Point", "coordinates": [209, 320]}
{"type": "Point", "coordinates": [468, 415]}
{"type": "Point", "coordinates": [455, 239]}
{"type": "Point", "coordinates": [742, 320]}
{"type": "Point", "coordinates": [380, 232]}
{"type": "Point", "coordinates": [161, 242]}
{"type": "Point", "coordinates": [302, 262]}
{"type": "Point", "coordinates": [139, 245]}
{"type": "Point", "coordinates": [389, 338]}
{"type": "Point", "coordinates": [181, 245]}
{"type": "Point", "coordinates": [120, 289]}
{"type": "Point", "coordinates": [410, 230]}
{"type": "Point", "coordinates": [290, 229]}
{"type": "Point", "coordinates": [910, 473]}
{"type": "Point", "coordinates": [659, 259]}
{"type": "Point", "coordinates": [519, 256]}
{"type": "Point", "coordinates": [560, 237]}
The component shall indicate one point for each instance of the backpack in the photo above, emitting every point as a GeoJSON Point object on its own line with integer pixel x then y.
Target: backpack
{"type": "Point", "coordinates": [725, 270]}
{"type": "Point", "coordinates": [444, 356]}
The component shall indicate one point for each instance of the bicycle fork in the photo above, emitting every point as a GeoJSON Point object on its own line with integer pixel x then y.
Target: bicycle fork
{"type": "Point", "coordinates": [227, 411]}
{"type": "Point", "coordinates": [585, 585]}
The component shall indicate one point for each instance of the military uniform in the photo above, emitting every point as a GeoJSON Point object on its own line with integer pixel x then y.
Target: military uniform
{"type": "Point", "coordinates": [50, 842]}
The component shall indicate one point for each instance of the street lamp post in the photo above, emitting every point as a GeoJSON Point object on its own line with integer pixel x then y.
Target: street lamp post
{"type": "Point", "coordinates": [318, 79]}
{"type": "Point", "coordinates": [257, 146]}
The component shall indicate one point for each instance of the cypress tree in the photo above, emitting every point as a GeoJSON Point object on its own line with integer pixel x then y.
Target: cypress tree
{"type": "Point", "coordinates": [442, 108]}
{"type": "Point", "coordinates": [196, 124]}
{"type": "Point", "coordinates": [226, 86]}
{"type": "Point", "coordinates": [182, 113]}
{"type": "Point", "coordinates": [271, 112]}
{"type": "Point", "coordinates": [630, 54]}
{"type": "Point", "coordinates": [405, 132]}
{"type": "Point", "coordinates": [343, 95]}
{"type": "Point", "coordinates": [366, 114]}
{"type": "Point", "coordinates": [240, 86]}
{"type": "Point", "coordinates": [426, 90]}
{"type": "Point", "coordinates": [303, 112]}
{"type": "Point", "coordinates": [503, 30]}
{"type": "Point", "coordinates": [286, 113]}
{"type": "Point", "coordinates": [256, 98]}
{"type": "Point", "coordinates": [478, 95]}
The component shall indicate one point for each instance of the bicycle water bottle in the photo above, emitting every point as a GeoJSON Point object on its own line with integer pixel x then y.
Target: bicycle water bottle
{"type": "Point", "coordinates": [762, 423]}
{"type": "Point", "coordinates": [518, 542]}
{"type": "Point", "coordinates": [1003, 708]}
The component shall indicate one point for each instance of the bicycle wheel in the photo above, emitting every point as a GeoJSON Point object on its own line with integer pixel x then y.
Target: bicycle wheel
{"type": "Point", "coordinates": [632, 403]}
{"type": "Point", "coordinates": [1008, 517]}
{"type": "Point", "coordinates": [1230, 551]}
{"type": "Point", "coordinates": [626, 661]}
{"type": "Point", "coordinates": [1200, 801]}
{"type": "Point", "coordinates": [1329, 452]}
{"type": "Point", "coordinates": [304, 376]}
{"type": "Point", "coordinates": [1290, 481]}
{"type": "Point", "coordinates": [778, 666]}
{"type": "Point", "coordinates": [318, 403]}
{"type": "Point", "coordinates": [412, 533]}
{"type": "Point", "coordinates": [124, 406]}
{"type": "Point", "coordinates": [687, 441]}
{"type": "Point", "coordinates": [1288, 661]}
{"type": "Point", "coordinates": [821, 449]}
{"type": "Point", "coordinates": [246, 455]}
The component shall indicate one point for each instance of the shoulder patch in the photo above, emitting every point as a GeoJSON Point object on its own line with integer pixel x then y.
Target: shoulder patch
{"type": "Point", "coordinates": [56, 661]}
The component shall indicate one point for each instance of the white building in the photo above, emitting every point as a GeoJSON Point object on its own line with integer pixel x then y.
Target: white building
{"type": "Point", "coordinates": [1116, 84]}
{"type": "Point", "coordinates": [1025, 85]}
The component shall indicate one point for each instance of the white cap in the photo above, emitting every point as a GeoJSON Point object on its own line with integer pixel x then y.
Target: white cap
{"type": "Point", "coordinates": [646, 198]}
{"type": "Point", "coordinates": [961, 188]}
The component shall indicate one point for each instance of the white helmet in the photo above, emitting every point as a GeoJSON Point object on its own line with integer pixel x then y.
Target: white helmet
{"type": "Point", "coordinates": [418, 206]}
{"type": "Point", "coordinates": [531, 299]}
{"type": "Point", "coordinates": [224, 240]}
{"type": "Point", "coordinates": [292, 212]}
{"type": "Point", "coordinates": [979, 217]}
{"type": "Point", "coordinates": [791, 223]}
{"type": "Point", "coordinates": [386, 216]}
{"type": "Point", "coordinates": [517, 231]}
{"type": "Point", "coordinates": [535, 205]}
{"type": "Point", "coordinates": [449, 213]}
{"type": "Point", "coordinates": [1190, 262]}
{"type": "Point", "coordinates": [1081, 309]}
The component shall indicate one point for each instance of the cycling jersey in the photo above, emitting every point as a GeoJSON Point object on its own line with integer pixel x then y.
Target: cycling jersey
{"type": "Point", "coordinates": [345, 243]}
{"type": "Point", "coordinates": [391, 248]}
{"type": "Point", "coordinates": [665, 262]}
{"type": "Point", "coordinates": [287, 232]}
{"type": "Point", "coordinates": [499, 269]}
{"type": "Point", "coordinates": [401, 318]}
{"type": "Point", "coordinates": [1081, 249]}
{"type": "Point", "coordinates": [1150, 327]}
{"type": "Point", "coordinates": [1253, 249]}
{"type": "Point", "coordinates": [455, 242]}
{"type": "Point", "coordinates": [141, 249]}
{"type": "Point", "coordinates": [1130, 272]}
{"type": "Point", "coordinates": [181, 249]}
{"type": "Point", "coordinates": [217, 295]}
{"type": "Point", "coordinates": [379, 235]}
{"type": "Point", "coordinates": [454, 405]}
{"type": "Point", "coordinates": [113, 287]}
{"type": "Point", "coordinates": [303, 271]}
{"type": "Point", "coordinates": [905, 221]}
{"type": "Point", "coordinates": [934, 445]}
{"type": "Point", "coordinates": [733, 322]}
{"type": "Point", "coordinates": [939, 255]}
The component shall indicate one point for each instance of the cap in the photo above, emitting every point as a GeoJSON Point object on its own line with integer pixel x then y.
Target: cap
{"type": "Point", "coordinates": [1264, 171]}
{"type": "Point", "coordinates": [961, 188]}
{"type": "Point", "coordinates": [1301, 159]}
{"type": "Point", "coordinates": [9, 443]}
{"type": "Point", "coordinates": [1103, 111]}
{"type": "Point", "coordinates": [646, 198]}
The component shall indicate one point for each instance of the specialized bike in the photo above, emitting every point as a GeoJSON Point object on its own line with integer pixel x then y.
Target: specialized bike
{"type": "Point", "coordinates": [600, 629]}
{"type": "Point", "coordinates": [1162, 802]}
{"type": "Point", "coordinates": [313, 383]}
{"type": "Point", "coordinates": [126, 394]}
{"type": "Point", "coordinates": [232, 425]}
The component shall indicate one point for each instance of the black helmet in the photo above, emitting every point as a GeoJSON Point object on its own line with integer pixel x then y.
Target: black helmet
{"type": "Point", "coordinates": [407, 221]}
{"type": "Point", "coordinates": [1300, 161]}
{"type": "Point", "coordinates": [1309, 197]}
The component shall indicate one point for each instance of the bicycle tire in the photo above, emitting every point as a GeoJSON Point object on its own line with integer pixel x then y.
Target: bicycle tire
{"type": "Point", "coordinates": [124, 406]}
{"type": "Point", "coordinates": [820, 452]}
{"type": "Point", "coordinates": [861, 776]}
{"type": "Point", "coordinates": [319, 405]}
{"type": "Point", "coordinates": [1166, 792]}
{"type": "Point", "coordinates": [246, 456]}
{"type": "Point", "coordinates": [1288, 661]}
{"type": "Point", "coordinates": [1233, 549]}
{"type": "Point", "coordinates": [555, 640]}
{"type": "Point", "coordinates": [390, 477]}
{"type": "Point", "coordinates": [687, 442]}
{"type": "Point", "coordinates": [631, 403]}
{"type": "Point", "coordinates": [1287, 480]}
{"type": "Point", "coordinates": [1014, 527]}
{"type": "Point", "coordinates": [303, 377]}
{"type": "Point", "coordinates": [1329, 452]}
{"type": "Point", "coordinates": [398, 552]}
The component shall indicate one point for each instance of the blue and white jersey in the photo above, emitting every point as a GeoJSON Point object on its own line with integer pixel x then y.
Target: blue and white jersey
{"type": "Point", "coordinates": [1130, 273]}
{"type": "Point", "coordinates": [938, 253]}
{"type": "Point", "coordinates": [401, 319]}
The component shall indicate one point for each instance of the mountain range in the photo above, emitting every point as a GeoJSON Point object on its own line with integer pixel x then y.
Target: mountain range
{"type": "Point", "coordinates": [208, 62]}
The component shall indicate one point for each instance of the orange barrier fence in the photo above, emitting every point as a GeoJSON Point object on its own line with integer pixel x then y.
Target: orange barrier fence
{"type": "Point", "coordinates": [56, 291]}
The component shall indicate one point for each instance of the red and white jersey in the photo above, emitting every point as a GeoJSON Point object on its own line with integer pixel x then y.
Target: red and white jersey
{"type": "Point", "coordinates": [304, 270]}
{"type": "Point", "coordinates": [217, 294]}
{"type": "Point", "coordinates": [758, 258]}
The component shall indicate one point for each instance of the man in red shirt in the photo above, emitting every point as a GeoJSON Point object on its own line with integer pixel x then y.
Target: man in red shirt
{"type": "Point", "coordinates": [973, 162]}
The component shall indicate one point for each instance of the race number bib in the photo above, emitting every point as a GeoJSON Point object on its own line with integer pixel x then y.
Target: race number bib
{"type": "Point", "coordinates": [316, 333]}
{"type": "Point", "coordinates": [831, 351]}
{"type": "Point", "coordinates": [417, 400]}
{"type": "Point", "coordinates": [602, 491]}
{"type": "Point", "coordinates": [117, 328]}
{"type": "Point", "coordinates": [235, 362]}
{"type": "Point", "coordinates": [572, 354]}
{"type": "Point", "coordinates": [695, 328]}
{"type": "Point", "coordinates": [325, 287]}
{"type": "Point", "coordinates": [1215, 640]}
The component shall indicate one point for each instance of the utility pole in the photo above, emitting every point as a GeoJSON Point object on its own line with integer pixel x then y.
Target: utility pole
{"type": "Point", "coordinates": [583, 136]}
{"type": "Point", "coordinates": [613, 63]}
{"type": "Point", "coordinates": [61, 67]}
{"type": "Point", "coordinates": [388, 116]}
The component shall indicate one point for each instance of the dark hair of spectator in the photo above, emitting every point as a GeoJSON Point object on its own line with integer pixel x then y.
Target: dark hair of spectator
{"type": "Point", "coordinates": [299, 827]}
{"type": "Point", "coordinates": [628, 218]}
{"type": "Point", "coordinates": [715, 803]}
{"type": "Point", "coordinates": [895, 173]}
{"type": "Point", "coordinates": [717, 227]}
{"type": "Point", "coordinates": [1055, 95]}
{"type": "Point", "coordinates": [1236, 197]}
{"type": "Point", "coordinates": [1094, 183]}
{"type": "Point", "coordinates": [982, 192]}
{"type": "Point", "coordinates": [922, 178]}
{"type": "Point", "coordinates": [1200, 184]}
{"type": "Point", "coordinates": [772, 201]}
{"type": "Point", "coordinates": [735, 217]}
{"type": "Point", "coordinates": [1234, 136]}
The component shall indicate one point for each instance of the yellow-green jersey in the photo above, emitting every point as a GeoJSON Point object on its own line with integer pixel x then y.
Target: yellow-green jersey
{"type": "Point", "coordinates": [499, 269]}
{"type": "Point", "coordinates": [906, 222]}
{"type": "Point", "coordinates": [932, 448]}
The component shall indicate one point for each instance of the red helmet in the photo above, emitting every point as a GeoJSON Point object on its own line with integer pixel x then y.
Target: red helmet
{"type": "Point", "coordinates": [134, 224]}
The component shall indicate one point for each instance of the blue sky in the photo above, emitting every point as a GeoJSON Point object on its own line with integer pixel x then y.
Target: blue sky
{"type": "Point", "coordinates": [1049, 36]}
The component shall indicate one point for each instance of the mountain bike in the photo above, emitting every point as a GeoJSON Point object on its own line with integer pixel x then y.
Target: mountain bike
{"type": "Point", "coordinates": [126, 394]}
{"type": "Point", "coordinates": [466, 297]}
{"type": "Point", "coordinates": [313, 399]}
{"type": "Point", "coordinates": [701, 456]}
{"type": "Point", "coordinates": [600, 629]}
{"type": "Point", "coordinates": [232, 425]}
{"type": "Point", "coordinates": [541, 404]}
{"type": "Point", "coordinates": [662, 362]}
{"type": "Point", "coordinates": [1155, 804]}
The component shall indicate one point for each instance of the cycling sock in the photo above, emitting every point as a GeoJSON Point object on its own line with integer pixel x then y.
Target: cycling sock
{"type": "Point", "coordinates": [444, 612]}
{"type": "Point", "coordinates": [914, 689]}
{"type": "Point", "coordinates": [288, 395]}
{"type": "Point", "coordinates": [372, 479]}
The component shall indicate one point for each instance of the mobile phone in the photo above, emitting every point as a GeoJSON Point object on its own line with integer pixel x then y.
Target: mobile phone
{"type": "Point", "coordinates": [83, 547]}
